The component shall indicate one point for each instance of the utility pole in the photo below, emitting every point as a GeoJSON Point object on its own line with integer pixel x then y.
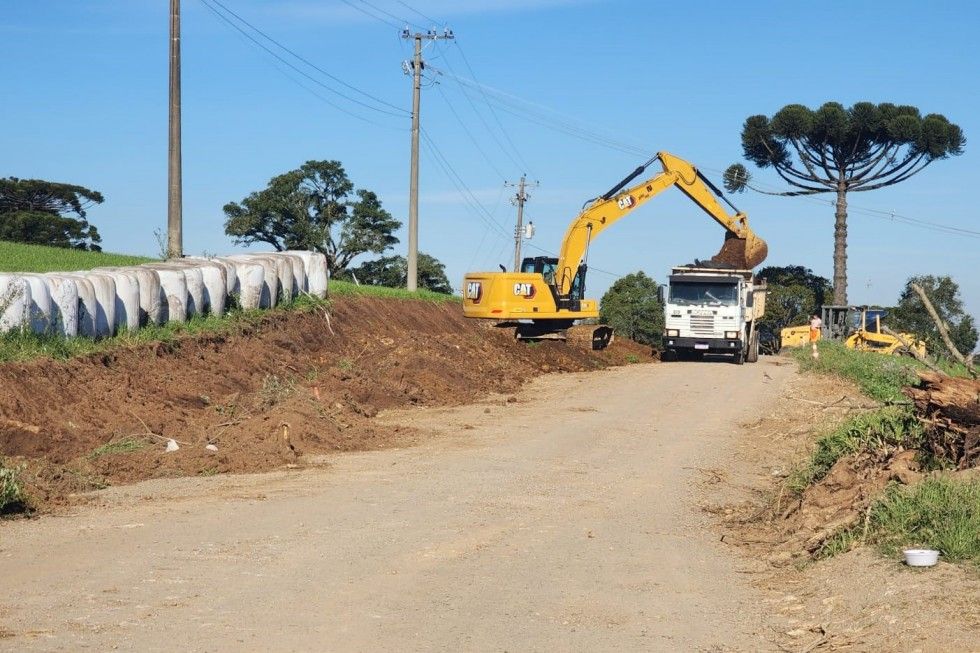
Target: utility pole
{"type": "Point", "coordinates": [413, 186]}
{"type": "Point", "coordinates": [519, 199]}
{"type": "Point", "coordinates": [175, 236]}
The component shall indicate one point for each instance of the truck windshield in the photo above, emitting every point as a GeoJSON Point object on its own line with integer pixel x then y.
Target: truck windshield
{"type": "Point", "coordinates": [704, 293]}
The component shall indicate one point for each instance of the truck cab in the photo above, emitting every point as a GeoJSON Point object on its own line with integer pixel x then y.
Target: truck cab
{"type": "Point", "coordinates": [712, 311]}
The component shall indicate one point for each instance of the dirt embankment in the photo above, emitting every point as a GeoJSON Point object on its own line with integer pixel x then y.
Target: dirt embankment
{"type": "Point", "coordinates": [264, 397]}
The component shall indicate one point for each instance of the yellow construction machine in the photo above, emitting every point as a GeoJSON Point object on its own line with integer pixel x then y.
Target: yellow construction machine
{"type": "Point", "coordinates": [547, 295]}
{"type": "Point", "coordinates": [860, 328]}
{"type": "Point", "coordinates": [869, 335]}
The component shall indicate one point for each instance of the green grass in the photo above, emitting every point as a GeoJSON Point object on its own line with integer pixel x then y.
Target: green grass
{"type": "Point", "coordinates": [346, 288]}
{"type": "Point", "coordinates": [124, 445]}
{"type": "Point", "coordinates": [11, 494]}
{"type": "Point", "coordinates": [18, 257]}
{"type": "Point", "coordinates": [941, 513]}
{"type": "Point", "coordinates": [879, 376]}
{"type": "Point", "coordinates": [24, 345]}
{"type": "Point", "coordinates": [879, 430]}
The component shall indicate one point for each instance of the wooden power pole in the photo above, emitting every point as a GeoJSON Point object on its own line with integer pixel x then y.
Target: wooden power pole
{"type": "Point", "coordinates": [413, 186]}
{"type": "Point", "coordinates": [175, 235]}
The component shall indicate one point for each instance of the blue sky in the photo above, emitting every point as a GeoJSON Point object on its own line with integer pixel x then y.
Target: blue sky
{"type": "Point", "coordinates": [85, 101]}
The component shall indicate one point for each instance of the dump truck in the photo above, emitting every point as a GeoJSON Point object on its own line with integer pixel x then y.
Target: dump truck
{"type": "Point", "coordinates": [713, 310]}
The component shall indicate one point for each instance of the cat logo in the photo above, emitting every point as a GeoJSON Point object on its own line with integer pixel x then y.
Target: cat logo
{"type": "Point", "coordinates": [625, 202]}
{"type": "Point", "coordinates": [525, 290]}
{"type": "Point", "coordinates": [474, 291]}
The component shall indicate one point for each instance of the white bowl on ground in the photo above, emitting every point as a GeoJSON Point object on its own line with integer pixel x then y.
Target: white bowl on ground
{"type": "Point", "coordinates": [921, 557]}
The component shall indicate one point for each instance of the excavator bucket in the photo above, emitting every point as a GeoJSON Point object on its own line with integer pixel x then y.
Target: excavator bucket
{"type": "Point", "coordinates": [741, 253]}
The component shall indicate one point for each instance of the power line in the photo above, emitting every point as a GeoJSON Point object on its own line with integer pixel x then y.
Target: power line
{"type": "Point", "coordinates": [461, 186]}
{"type": "Point", "coordinates": [416, 11]}
{"type": "Point", "coordinates": [489, 130]}
{"type": "Point", "coordinates": [398, 111]}
{"type": "Point", "coordinates": [469, 133]}
{"type": "Point", "coordinates": [371, 15]}
{"type": "Point", "coordinates": [509, 104]}
{"type": "Point", "coordinates": [492, 113]}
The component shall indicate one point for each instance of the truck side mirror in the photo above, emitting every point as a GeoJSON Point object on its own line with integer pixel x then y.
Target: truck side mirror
{"type": "Point", "coordinates": [660, 292]}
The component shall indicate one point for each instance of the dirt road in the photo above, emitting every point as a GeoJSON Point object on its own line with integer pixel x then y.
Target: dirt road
{"type": "Point", "coordinates": [565, 520]}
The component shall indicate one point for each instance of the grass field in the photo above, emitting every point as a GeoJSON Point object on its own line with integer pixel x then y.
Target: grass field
{"type": "Point", "coordinates": [17, 257]}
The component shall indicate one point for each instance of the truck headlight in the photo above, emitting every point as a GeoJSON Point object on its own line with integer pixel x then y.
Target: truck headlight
{"type": "Point", "coordinates": [673, 333]}
{"type": "Point", "coordinates": [731, 335]}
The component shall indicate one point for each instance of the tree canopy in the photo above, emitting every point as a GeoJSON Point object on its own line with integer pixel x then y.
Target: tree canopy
{"type": "Point", "coordinates": [840, 150]}
{"type": "Point", "coordinates": [314, 207]}
{"type": "Point", "coordinates": [632, 307]}
{"type": "Point", "coordinates": [392, 271]}
{"type": "Point", "coordinates": [910, 314]}
{"type": "Point", "coordinates": [47, 213]}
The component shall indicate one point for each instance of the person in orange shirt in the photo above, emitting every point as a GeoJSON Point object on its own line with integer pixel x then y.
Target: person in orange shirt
{"type": "Point", "coordinates": [815, 325]}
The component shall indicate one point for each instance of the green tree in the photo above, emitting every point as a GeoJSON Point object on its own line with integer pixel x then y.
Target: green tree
{"type": "Point", "coordinates": [314, 207]}
{"type": "Point", "coordinates": [944, 293]}
{"type": "Point", "coordinates": [840, 151]}
{"type": "Point", "coordinates": [392, 271]}
{"type": "Point", "coordinates": [632, 308]}
{"type": "Point", "coordinates": [795, 293]}
{"type": "Point", "coordinates": [47, 213]}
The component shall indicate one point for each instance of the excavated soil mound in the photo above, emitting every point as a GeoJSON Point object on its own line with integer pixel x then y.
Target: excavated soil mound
{"type": "Point", "coordinates": [264, 397]}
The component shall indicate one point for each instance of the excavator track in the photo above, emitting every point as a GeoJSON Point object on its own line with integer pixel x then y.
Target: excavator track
{"type": "Point", "coordinates": [587, 336]}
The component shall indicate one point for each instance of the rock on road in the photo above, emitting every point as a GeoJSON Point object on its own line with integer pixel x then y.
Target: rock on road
{"type": "Point", "coordinates": [565, 521]}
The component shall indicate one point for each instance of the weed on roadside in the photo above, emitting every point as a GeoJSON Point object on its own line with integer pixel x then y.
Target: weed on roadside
{"type": "Point", "coordinates": [632, 359]}
{"type": "Point", "coordinates": [124, 445]}
{"type": "Point", "coordinates": [275, 389]}
{"type": "Point", "coordinates": [880, 377]}
{"type": "Point", "coordinates": [940, 513]}
{"type": "Point", "coordinates": [11, 494]}
{"type": "Point", "coordinates": [876, 431]}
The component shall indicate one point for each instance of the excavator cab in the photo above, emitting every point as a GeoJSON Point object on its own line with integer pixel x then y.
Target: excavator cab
{"type": "Point", "coordinates": [546, 266]}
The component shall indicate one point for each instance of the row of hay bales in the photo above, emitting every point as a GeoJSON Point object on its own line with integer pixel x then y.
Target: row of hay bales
{"type": "Point", "coordinates": [102, 302]}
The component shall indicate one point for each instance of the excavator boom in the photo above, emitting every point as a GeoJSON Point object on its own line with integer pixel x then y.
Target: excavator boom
{"type": "Point", "coordinates": [549, 292]}
{"type": "Point", "coordinates": [741, 249]}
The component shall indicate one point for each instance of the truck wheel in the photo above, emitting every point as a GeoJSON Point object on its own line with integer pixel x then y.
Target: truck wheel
{"type": "Point", "coordinates": [753, 354]}
{"type": "Point", "coordinates": [739, 358]}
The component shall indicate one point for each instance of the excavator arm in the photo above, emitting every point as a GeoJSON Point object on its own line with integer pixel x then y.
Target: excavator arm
{"type": "Point", "coordinates": [741, 249]}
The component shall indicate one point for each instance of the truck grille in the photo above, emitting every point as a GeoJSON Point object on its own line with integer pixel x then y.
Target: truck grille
{"type": "Point", "coordinates": [703, 325]}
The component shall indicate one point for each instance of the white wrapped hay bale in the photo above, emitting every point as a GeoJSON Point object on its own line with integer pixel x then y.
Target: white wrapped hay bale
{"type": "Point", "coordinates": [193, 300]}
{"type": "Point", "coordinates": [127, 316]}
{"type": "Point", "coordinates": [40, 313]}
{"type": "Point", "coordinates": [249, 279]}
{"type": "Point", "coordinates": [97, 303]}
{"type": "Point", "coordinates": [152, 306]}
{"type": "Point", "coordinates": [270, 277]}
{"type": "Point", "coordinates": [298, 270]}
{"type": "Point", "coordinates": [105, 296]}
{"type": "Point", "coordinates": [231, 276]}
{"type": "Point", "coordinates": [315, 268]}
{"type": "Point", "coordinates": [88, 306]}
{"type": "Point", "coordinates": [173, 292]}
{"type": "Point", "coordinates": [15, 302]}
{"type": "Point", "coordinates": [64, 304]}
{"type": "Point", "coordinates": [215, 282]}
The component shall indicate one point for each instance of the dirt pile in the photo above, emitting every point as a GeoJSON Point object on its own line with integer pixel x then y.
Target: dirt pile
{"type": "Point", "coordinates": [264, 397]}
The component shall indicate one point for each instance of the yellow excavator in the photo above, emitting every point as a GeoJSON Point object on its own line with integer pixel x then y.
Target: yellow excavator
{"type": "Point", "coordinates": [547, 295]}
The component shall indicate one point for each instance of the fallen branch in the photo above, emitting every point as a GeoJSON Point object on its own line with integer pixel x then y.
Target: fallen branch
{"type": "Point", "coordinates": [149, 431]}
{"type": "Point", "coordinates": [943, 331]}
{"type": "Point", "coordinates": [911, 351]}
